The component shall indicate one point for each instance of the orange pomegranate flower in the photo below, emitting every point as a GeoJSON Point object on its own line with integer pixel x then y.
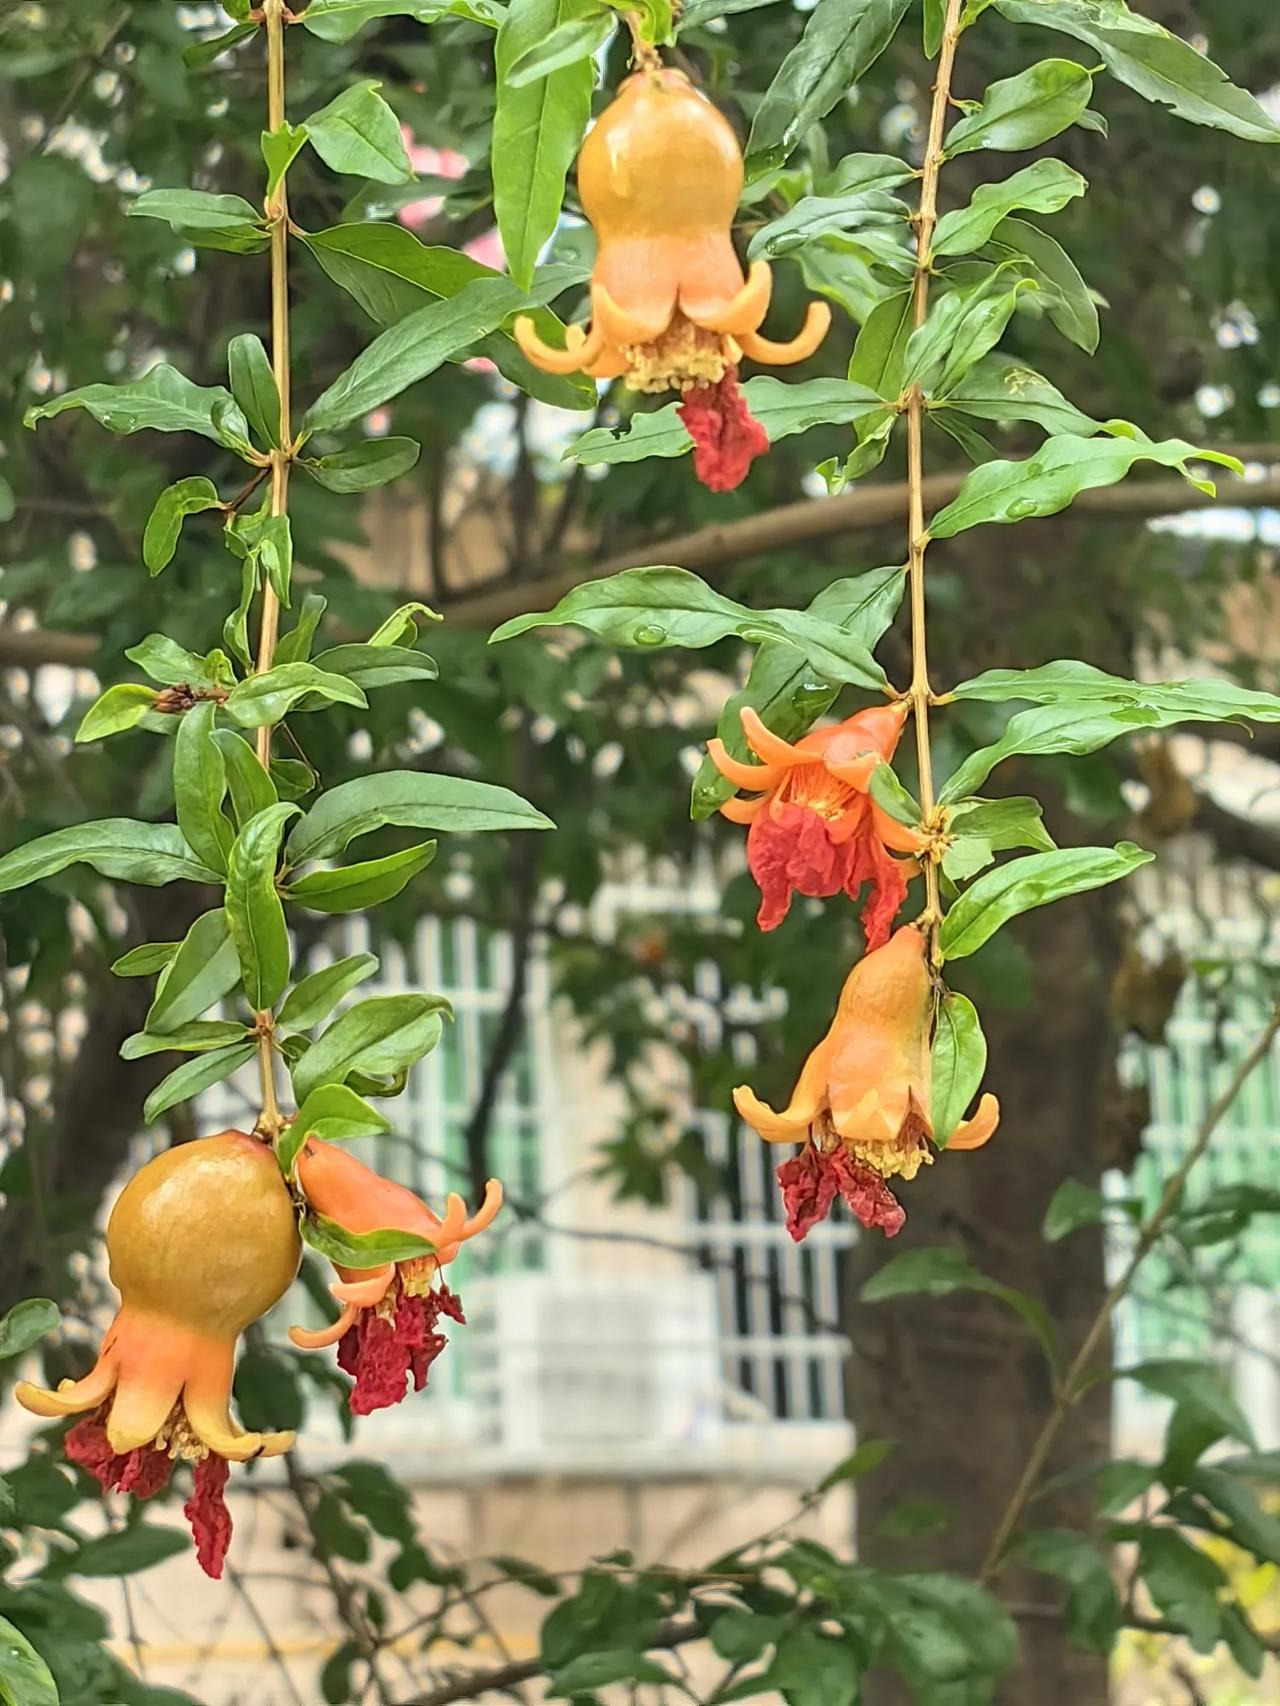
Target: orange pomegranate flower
{"type": "Point", "coordinates": [660, 176]}
{"type": "Point", "coordinates": [386, 1332]}
{"type": "Point", "coordinates": [202, 1241]}
{"type": "Point", "coordinates": [814, 829]}
{"type": "Point", "coordinates": [861, 1108]}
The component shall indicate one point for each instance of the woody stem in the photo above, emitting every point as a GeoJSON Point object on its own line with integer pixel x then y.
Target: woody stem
{"type": "Point", "coordinates": [278, 213]}
{"type": "Point", "coordinates": [926, 220]}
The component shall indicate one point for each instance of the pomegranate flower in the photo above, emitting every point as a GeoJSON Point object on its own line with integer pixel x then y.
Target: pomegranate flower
{"type": "Point", "coordinates": [861, 1107]}
{"type": "Point", "coordinates": [202, 1241]}
{"type": "Point", "coordinates": [387, 1331]}
{"type": "Point", "coordinates": [660, 176]}
{"type": "Point", "coordinates": [814, 829]}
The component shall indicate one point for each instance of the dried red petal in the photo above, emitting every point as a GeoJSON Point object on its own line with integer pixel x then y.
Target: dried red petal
{"type": "Point", "coordinates": [206, 1511]}
{"type": "Point", "coordinates": [791, 851]}
{"type": "Point", "coordinates": [143, 1472]}
{"type": "Point", "coordinates": [812, 1179]}
{"type": "Point", "coordinates": [726, 436]}
{"type": "Point", "coordinates": [382, 1358]}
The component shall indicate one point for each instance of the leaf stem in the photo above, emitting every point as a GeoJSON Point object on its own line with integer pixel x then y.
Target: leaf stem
{"type": "Point", "coordinates": [925, 222]}
{"type": "Point", "coordinates": [275, 17]}
{"type": "Point", "coordinates": [1074, 1381]}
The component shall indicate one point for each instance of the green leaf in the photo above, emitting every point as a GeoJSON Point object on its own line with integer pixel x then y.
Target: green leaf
{"type": "Point", "coordinates": [1044, 187]}
{"type": "Point", "coordinates": [656, 19]}
{"type": "Point", "coordinates": [262, 700]}
{"type": "Point", "coordinates": [353, 888]}
{"type": "Point", "coordinates": [119, 847]}
{"type": "Point", "coordinates": [536, 130]}
{"type": "Point", "coordinates": [380, 1036]}
{"type": "Point", "coordinates": [664, 606]}
{"type": "Point", "coordinates": [815, 217]}
{"type": "Point", "coordinates": [1024, 111]}
{"type": "Point", "coordinates": [935, 26]}
{"type": "Point", "coordinates": [200, 786]}
{"type": "Point", "coordinates": [165, 661]}
{"type": "Point", "coordinates": [315, 996]}
{"type": "Point", "coordinates": [201, 54]}
{"type": "Point", "coordinates": [1015, 821]}
{"type": "Point", "coordinates": [887, 790]}
{"type": "Point", "coordinates": [575, 39]}
{"type": "Point", "coordinates": [252, 790]}
{"type": "Point", "coordinates": [175, 503]}
{"type": "Point", "coordinates": [940, 1272]}
{"type": "Point", "coordinates": [235, 630]}
{"type": "Point", "coordinates": [1074, 1205]}
{"type": "Point", "coordinates": [253, 385]}
{"type": "Point", "coordinates": [372, 666]}
{"type": "Point", "coordinates": [1093, 1613]}
{"type": "Point", "coordinates": [409, 351]}
{"type": "Point", "coordinates": [206, 221]}
{"type": "Point", "coordinates": [1067, 681]}
{"type": "Point", "coordinates": [1186, 1584]}
{"type": "Point", "coordinates": [358, 133]}
{"type": "Point", "coordinates": [1022, 884]}
{"type": "Point", "coordinates": [25, 1679]}
{"type": "Point", "coordinates": [1062, 469]}
{"type": "Point", "coordinates": [280, 148]}
{"type": "Point", "coordinates": [959, 1062]}
{"type": "Point", "coordinates": [841, 42]}
{"type": "Point", "coordinates": [1000, 388]}
{"type": "Point", "coordinates": [196, 1038]}
{"type": "Point", "coordinates": [123, 1553]}
{"type": "Point", "coordinates": [598, 1670]}
{"type": "Point", "coordinates": [740, 1636]}
{"type": "Point", "coordinates": [406, 799]}
{"type": "Point", "coordinates": [360, 1249]}
{"type": "Point", "coordinates": [255, 914]}
{"type": "Point", "coordinates": [339, 20]}
{"type": "Point", "coordinates": [145, 960]}
{"type": "Point", "coordinates": [857, 172]}
{"type": "Point", "coordinates": [781, 409]}
{"type": "Point", "coordinates": [333, 1113]}
{"type": "Point", "coordinates": [869, 1455]}
{"type": "Point", "coordinates": [25, 1325]}
{"type": "Point", "coordinates": [194, 1076]}
{"type": "Point", "coordinates": [960, 330]}
{"type": "Point", "coordinates": [787, 693]}
{"type": "Point", "coordinates": [1160, 66]}
{"type": "Point", "coordinates": [163, 400]}
{"type": "Point", "coordinates": [295, 646]}
{"type": "Point", "coordinates": [120, 707]}
{"type": "Point", "coordinates": [401, 627]}
{"type": "Point", "coordinates": [879, 355]}
{"type": "Point", "coordinates": [361, 467]}
{"type": "Point", "coordinates": [204, 969]}
{"type": "Point", "coordinates": [1198, 1389]}
{"type": "Point", "coordinates": [1069, 304]}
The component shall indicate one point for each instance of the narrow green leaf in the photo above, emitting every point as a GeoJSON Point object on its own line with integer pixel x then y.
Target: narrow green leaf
{"type": "Point", "coordinates": [175, 503]}
{"type": "Point", "coordinates": [574, 40]}
{"type": "Point", "coordinates": [275, 551]}
{"type": "Point", "coordinates": [935, 23]}
{"type": "Point", "coordinates": [25, 1679]}
{"type": "Point", "coordinates": [253, 386]}
{"type": "Point", "coordinates": [198, 1037]}
{"type": "Point", "coordinates": [315, 996]}
{"type": "Point", "coordinates": [999, 388]}
{"type": "Point", "coordinates": [235, 630]}
{"type": "Point", "coordinates": [339, 20]}
{"type": "Point", "coordinates": [879, 355]}
{"type": "Point", "coordinates": [959, 1062]}
{"type": "Point", "coordinates": [1034, 881]}
{"type": "Point", "coordinates": [145, 960]}
{"type": "Point", "coordinates": [360, 1249]}
{"type": "Point", "coordinates": [407, 799]}
{"type": "Point", "coordinates": [815, 218]}
{"type": "Point", "coordinates": [380, 1036]}
{"type": "Point", "coordinates": [1186, 1584]}
{"type": "Point", "coordinates": [163, 400]}
{"type": "Point", "coordinates": [226, 222]}
{"type": "Point", "coordinates": [355, 888]}
{"type": "Point", "coordinates": [252, 790]}
{"type": "Point", "coordinates": [1074, 1205]}
{"type": "Point", "coordinates": [1069, 304]}
{"type": "Point", "coordinates": [165, 661]}
{"type": "Point", "coordinates": [1015, 821]}
{"type": "Point", "coordinates": [255, 914]}
{"type": "Point", "coordinates": [120, 707]}
{"type": "Point", "coordinates": [1044, 187]}
{"type": "Point", "coordinates": [941, 1271]}
{"type": "Point", "coordinates": [25, 1325]}
{"type": "Point", "coordinates": [371, 666]}
{"type": "Point", "coordinates": [280, 148]}
{"type": "Point", "coordinates": [119, 847]}
{"type": "Point", "coordinates": [262, 700]}
{"type": "Point", "coordinates": [401, 627]}
{"type": "Point", "coordinates": [333, 1113]}
{"type": "Point", "coordinates": [358, 133]}
{"type": "Point", "coordinates": [869, 1455]}
{"type": "Point", "coordinates": [193, 1076]}
{"type": "Point", "coordinates": [202, 54]}
{"type": "Point", "coordinates": [1026, 110]}
{"type": "Point", "coordinates": [200, 786]}
{"type": "Point", "coordinates": [361, 467]}
{"type": "Point", "coordinates": [203, 970]}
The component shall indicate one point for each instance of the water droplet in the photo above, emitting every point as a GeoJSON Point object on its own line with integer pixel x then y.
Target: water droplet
{"type": "Point", "coordinates": [1021, 508]}
{"type": "Point", "coordinates": [754, 636]}
{"type": "Point", "coordinates": [648, 634]}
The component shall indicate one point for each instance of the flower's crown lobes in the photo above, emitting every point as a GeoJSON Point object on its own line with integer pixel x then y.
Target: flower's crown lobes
{"type": "Point", "coordinates": [205, 1234]}
{"type": "Point", "coordinates": [660, 161]}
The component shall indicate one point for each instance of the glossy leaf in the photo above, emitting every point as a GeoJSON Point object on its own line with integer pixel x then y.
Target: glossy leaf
{"type": "Point", "coordinates": [1026, 883]}
{"type": "Point", "coordinates": [354, 888]}
{"type": "Point", "coordinates": [203, 971]}
{"type": "Point", "coordinates": [408, 799]}
{"type": "Point", "coordinates": [999, 388]}
{"type": "Point", "coordinates": [165, 661]}
{"type": "Point", "coordinates": [120, 707]}
{"type": "Point", "coordinates": [202, 54]}
{"type": "Point", "coordinates": [1074, 1205]}
{"type": "Point", "coordinates": [164, 526]}
{"type": "Point", "coordinates": [360, 468]}
{"type": "Point", "coordinates": [25, 1679]}
{"type": "Point", "coordinates": [815, 217]}
{"type": "Point", "coordinates": [574, 40]}
{"type": "Point", "coordinates": [24, 1326]}
{"type": "Point", "coordinates": [358, 133]}
{"type": "Point", "coordinates": [1015, 821]}
{"type": "Point", "coordinates": [380, 1036]}
{"type": "Point", "coordinates": [960, 330]}
{"type": "Point", "coordinates": [647, 608]}
{"type": "Point", "coordinates": [859, 172]}
{"type": "Point", "coordinates": [200, 786]}
{"type": "Point", "coordinates": [1026, 110]}
{"type": "Point", "coordinates": [401, 627]}
{"type": "Point", "coordinates": [959, 1062]}
{"type": "Point", "coordinates": [1046, 483]}
{"type": "Point", "coordinates": [536, 130]}
{"type": "Point", "coordinates": [146, 960]}
{"type": "Point", "coordinates": [261, 700]}
{"type": "Point", "coordinates": [251, 788]}
{"type": "Point", "coordinates": [841, 42]}
{"type": "Point", "coordinates": [1069, 304]}
{"type": "Point", "coordinates": [788, 695]}
{"type": "Point", "coordinates": [198, 1037]}
{"type": "Point", "coordinates": [1045, 187]}
{"type": "Point", "coordinates": [360, 1250]}
{"type": "Point", "coordinates": [253, 386]}
{"type": "Point", "coordinates": [255, 914]}
{"type": "Point", "coordinates": [227, 222]}
{"type": "Point", "coordinates": [935, 23]}
{"type": "Point", "coordinates": [339, 20]}
{"type": "Point", "coordinates": [1160, 66]}
{"type": "Point", "coordinates": [315, 996]}
{"type": "Point", "coordinates": [119, 847]}
{"type": "Point", "coordinates": [235, 630]}
{"type": "Point", "coordinates": [193, 1077]}
{"type": "Point", "coordinates": [1070, 682]}
{"type": "Point", "coordinates": [332, 1113]}
{"type": "Point", "coordinates": [163, 400]}
{"type": "Point", "coordinates": [372, 666]}
{"type": "Point", "coordinates": [879, 355]}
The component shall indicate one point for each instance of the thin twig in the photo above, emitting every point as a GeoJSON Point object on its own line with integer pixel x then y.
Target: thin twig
{"type": "Point", "coordinates": [264, 1630]}
{"type": "Point", "coordinates": [1070, 1389]}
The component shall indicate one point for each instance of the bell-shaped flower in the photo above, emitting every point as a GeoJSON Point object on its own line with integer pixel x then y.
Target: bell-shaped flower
{"type": "Point", "coordinates": [861, 1109]}
{"type": "Point", "coordinates": [387, 1332]}
{"type": "Point", "coordinates": [202, 1241]}
{"type": "Point", "coordinates": [660, 176]}
{"type": "Point", "coordinates": [814, 828]}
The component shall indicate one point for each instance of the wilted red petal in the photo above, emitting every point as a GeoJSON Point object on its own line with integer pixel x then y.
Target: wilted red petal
{"type": "Point", "coordinates": [812, 1179]}
{"type": "Point", "coordinates": [888, 879]}
{"type": "Point", "coordinates": [206, 1511]}
{"type": "Point", "coordinates": [382, 1358]}
{"type": "Point", "coordinates": [143, 1472]}
{"type": "Point", "coordinates": [791, 851]}
{"type": "Point", "coordinates": [726, 436]}
{"type": "Point", "coordinates": [867, 1194]}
